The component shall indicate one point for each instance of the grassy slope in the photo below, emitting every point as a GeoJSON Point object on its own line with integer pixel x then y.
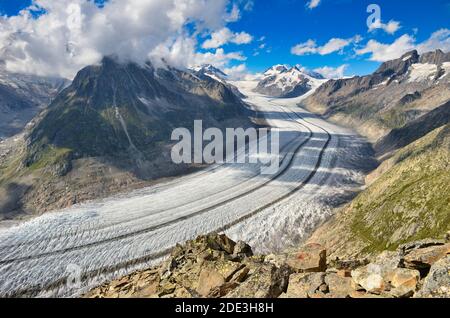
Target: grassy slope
{"type": "Point", "coordinates": [408, 202]}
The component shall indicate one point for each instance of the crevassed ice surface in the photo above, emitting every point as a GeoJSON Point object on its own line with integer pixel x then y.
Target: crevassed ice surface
{"type": "Point", "coordinates": [67, 252]}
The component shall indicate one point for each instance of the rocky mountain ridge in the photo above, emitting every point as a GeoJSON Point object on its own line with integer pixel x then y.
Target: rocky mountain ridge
{"type": "Point", "coordinates": [214, 266]}
{"type": "Point", "coordinates": [399, 92]}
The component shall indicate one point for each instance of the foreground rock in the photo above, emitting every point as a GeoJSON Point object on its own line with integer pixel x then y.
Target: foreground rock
{"type": "Point", "coordinates": [214, 266]}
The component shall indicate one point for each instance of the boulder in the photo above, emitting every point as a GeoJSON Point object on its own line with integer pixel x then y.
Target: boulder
{"type": "Point", "coordinates": [304, 285]}
{"type": "Point", "coordinates": [209, 280]}
{"type": "Point", "coordinates": [422, 259]}
{"type": "Point", "coordinates": [404, 282]}
{"type": "Point", "coordinates": [338, 286]}
{"type": "Point", "coordinates": [408, 247]}
{"type": "Point", "coordinates": [437, 282]}
{"type": "Point", "coordinates": [264, 281]}
{"type": "Point", "coordinates": [215, 274]}
{"type": "Point", "coordinates": [310, 258]}
{"type": "Point", "coordinates": [405, 277]}
{"type": "Point", "coordinates": [369, 278]}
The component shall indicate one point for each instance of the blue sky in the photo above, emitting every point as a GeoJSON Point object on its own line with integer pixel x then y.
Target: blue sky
{"type": "Point", "coordinates": [278, 26]}
{"type": "Point", "coordinates": [286, 23]}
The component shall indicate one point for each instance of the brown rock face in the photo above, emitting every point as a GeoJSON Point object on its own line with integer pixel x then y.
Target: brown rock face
{"type": "Point", "coordinates": [214, 266]}
{"type": "Point", "coordinates": [310, 258]}
{"type": "Point", "coordinates": [423, 259]}
{"type": "Point", "coordinates": [208, 280]}
{"type": "Point", "coordinates": [404, 282]}
{"type": "Point", "coordinates": [437, 283]}
{"type": "Point", "coordinates": [304, 285]}
{"type": "Point", "coordinates": [338, 286]}
{"type": "Point", "coordinates": [265, 281]}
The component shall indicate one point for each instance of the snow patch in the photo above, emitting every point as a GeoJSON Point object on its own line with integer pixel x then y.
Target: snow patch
{"type": "Point", "coordinates": [422, 72]}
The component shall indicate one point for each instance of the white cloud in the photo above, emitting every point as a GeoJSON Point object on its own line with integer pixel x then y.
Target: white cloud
{"type": "Point", "coordinates": [71, 34]}
{"type": "Point", "coordinates": [391, 27]}
{"type": "Point", "coordinates": [384, 52]}
{"type": "Point", "coordinates": [237, 72]}
{"type": "Point", "coordinates": [309, 47]}
{"type": "Point", "coordinates": [219, 58]}
{"type": "Point", "coordinates": [313, 4]}
{"type": "Point", "coordinates": [381, 52]}
{"type": "Point", "coordinates": [438, 40]}
{"type": "Point", "coordinates": [333, 45]}
{"type": "Point", "coordinates": [240, 72]}
{"type": "Point", "coordinates": [331, 72]}
{"type": "Point", "coordinates": [225, 36]}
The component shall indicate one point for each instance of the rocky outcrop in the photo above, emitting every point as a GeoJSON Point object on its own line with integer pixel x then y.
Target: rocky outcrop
{"type": "Point", "coordinates": [214, 266]}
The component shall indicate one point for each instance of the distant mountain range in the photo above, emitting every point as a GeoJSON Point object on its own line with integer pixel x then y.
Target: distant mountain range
{"type": "Point", "coordinates": [399, 92]}
{"type": "Point", "coordinates": [22, 97]}
{"type": "Point", "coordinates": [288, 82]}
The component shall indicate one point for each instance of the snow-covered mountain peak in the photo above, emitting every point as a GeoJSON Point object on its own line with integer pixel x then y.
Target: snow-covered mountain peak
{"type": "Point", "coordinates": [211, 71]}
{"type": "Point", "coordinates": [277, 69]}
{"type": "Point", "coordinates": [286, 81]}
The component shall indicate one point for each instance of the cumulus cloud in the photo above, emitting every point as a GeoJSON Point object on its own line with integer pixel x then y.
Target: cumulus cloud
{"type": "Point", "coordinates": [332, 72]}
{"type": "Point", "coordinates": [225, 36]}
{"type": "Point", "coordinates": [333, 45]}
{"type": "Point", "coordinates": [237, 72]}
{"type": "Point", "coordinates": [219, 58]}
{"type": "Point", "coordinates": [313, 4]}
{"type": "Point", "coordinates": [241, 73]}
{"type": "Point", "coordinates": [60, 37]}
{"type": "Point", "coordinates": [391, 27]}
{"type": "Point", "coordinates": [381, 52]}
{"type": "Point", "coordinates": [438, 40]}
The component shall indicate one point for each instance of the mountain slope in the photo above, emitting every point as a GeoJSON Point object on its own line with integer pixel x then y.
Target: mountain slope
{"type": "Point", "coordinates": [400, 91]}
{"type": "Point", "coordinates": [22, 97]}
{"type": "Point", "coordinates": [408, 202]}
{"type": "Point", "coordinates": [414, 130]}
{"type": "Point", "coordinates": [111, 130]}
{"type": "Point", "coordinates": [288, 82]}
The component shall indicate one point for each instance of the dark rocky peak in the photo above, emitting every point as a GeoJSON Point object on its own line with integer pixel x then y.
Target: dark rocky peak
{"type": "Point", "coordinates": [211, 70]}
{"type": "Point", "coordinates": [398, 66]}
{"type": "Point", "coordinates": [436, 57]}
